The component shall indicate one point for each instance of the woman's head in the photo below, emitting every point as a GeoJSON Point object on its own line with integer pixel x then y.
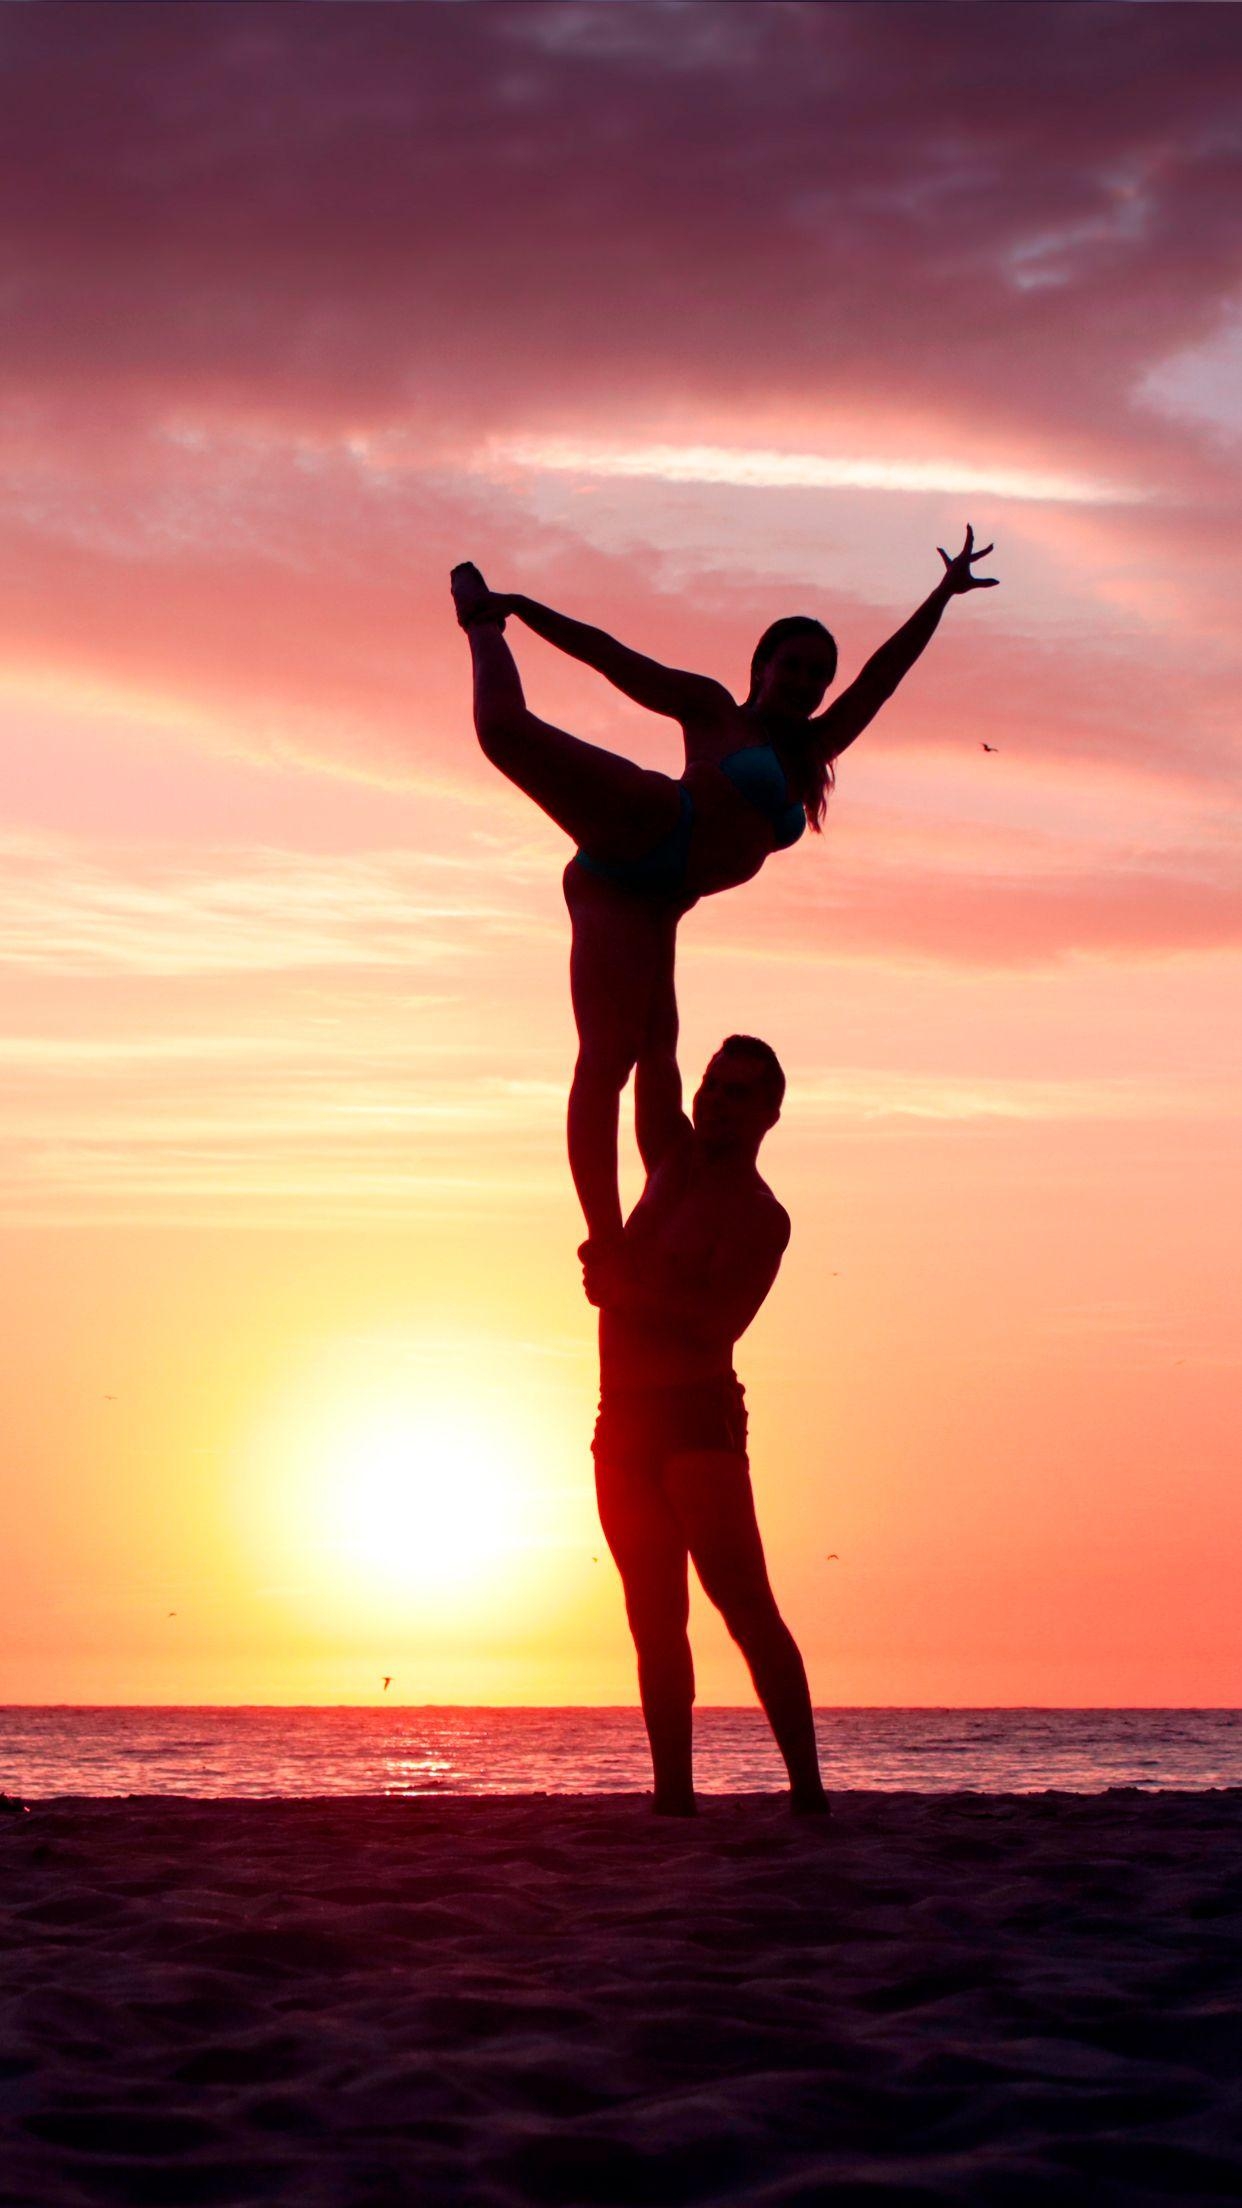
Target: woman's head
{"type": "Point", "coordinates": [791, 667]}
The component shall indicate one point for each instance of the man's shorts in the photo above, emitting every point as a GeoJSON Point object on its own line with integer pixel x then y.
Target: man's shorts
{"type": "Point", "coordinates": [649, 1425]}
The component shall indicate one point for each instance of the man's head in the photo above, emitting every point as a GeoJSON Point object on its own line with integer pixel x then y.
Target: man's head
{"type": "Point", "coordinates": [739, 1096]}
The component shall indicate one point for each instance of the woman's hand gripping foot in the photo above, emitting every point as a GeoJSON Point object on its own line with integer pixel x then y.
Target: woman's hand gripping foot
{"type": "Point", "coordinates": [472, 598]}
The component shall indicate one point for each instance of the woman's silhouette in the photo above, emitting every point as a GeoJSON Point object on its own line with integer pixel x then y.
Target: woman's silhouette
{"type": "Point", "coordinates": [649, 844]}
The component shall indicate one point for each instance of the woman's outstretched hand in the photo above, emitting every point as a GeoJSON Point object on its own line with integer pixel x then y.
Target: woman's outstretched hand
{"type": "Point", "coordinates": [957, 576]}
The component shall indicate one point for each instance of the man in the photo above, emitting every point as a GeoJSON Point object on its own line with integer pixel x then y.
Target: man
{"type": "Point", "coordinates": [699, 1253]}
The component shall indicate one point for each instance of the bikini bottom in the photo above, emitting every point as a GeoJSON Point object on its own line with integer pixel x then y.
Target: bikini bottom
{"type": "Point", "coordinates": [660, 872]}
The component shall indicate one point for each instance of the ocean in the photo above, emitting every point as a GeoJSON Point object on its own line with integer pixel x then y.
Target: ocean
{"type": "Point", "coordinates": [398, 1750]}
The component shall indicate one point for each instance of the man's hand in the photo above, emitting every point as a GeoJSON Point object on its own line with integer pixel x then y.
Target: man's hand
{"type": "Point", "coordinates": [957, 576]}
{"type": "Point", "coordinates": [603, 1272]}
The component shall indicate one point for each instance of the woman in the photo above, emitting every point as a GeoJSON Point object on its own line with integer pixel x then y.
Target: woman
{"type": "Point", "coordinates": [650, 845]}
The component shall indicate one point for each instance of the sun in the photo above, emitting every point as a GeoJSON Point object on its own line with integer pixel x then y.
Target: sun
{"type": "Point", "coordinates": [429, 1489]}
{"type": "Point", "coordinates": [421, 1496]}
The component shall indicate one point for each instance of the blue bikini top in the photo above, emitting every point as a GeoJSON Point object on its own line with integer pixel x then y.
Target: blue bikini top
{"type": "Point", "coordinates": [757, 775]}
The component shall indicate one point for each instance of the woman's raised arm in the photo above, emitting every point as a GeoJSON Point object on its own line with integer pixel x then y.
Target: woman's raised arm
{"type": "Point", "coordinates": [849, 714]}
{"type": "Point", "coordinates": [660, 689]}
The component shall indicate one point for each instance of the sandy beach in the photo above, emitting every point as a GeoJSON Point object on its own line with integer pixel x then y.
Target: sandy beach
{"type": "Point", "coordinates": [931, 1998]}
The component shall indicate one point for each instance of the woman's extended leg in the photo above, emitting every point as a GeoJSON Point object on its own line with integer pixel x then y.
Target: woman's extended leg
{"type": "Point", "coordinates": [622, 950]}
{"type": "Point", "coordinates": [613, 808]}
{"type": "Point", "coordinates": [621, 965]}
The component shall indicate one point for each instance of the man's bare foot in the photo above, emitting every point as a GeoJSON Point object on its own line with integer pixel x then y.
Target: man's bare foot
{"type": "Point", "coordinates": [674, 1803]}
{"type": "Point", "coordinates": [472, 597]}
{"type": "Point", "coordinates": [809, 1801]}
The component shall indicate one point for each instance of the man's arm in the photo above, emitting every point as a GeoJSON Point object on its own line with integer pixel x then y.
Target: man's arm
{"type": "Point", "coordinates": [670, 690]}
{"type": "Point", "coordinates": [660, 1125]}
{"type": "Point", "coordinates": [856, 707]}
{"type": "Point", "coordinates": [659, 1121]}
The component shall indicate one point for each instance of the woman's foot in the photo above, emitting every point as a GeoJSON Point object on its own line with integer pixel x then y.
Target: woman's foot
{"type": "Point", "coordinates": [472, 598]}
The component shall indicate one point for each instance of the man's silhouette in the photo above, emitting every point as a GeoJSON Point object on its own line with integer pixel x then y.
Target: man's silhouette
{"type": "Point", "coordinates": [699, 1253]}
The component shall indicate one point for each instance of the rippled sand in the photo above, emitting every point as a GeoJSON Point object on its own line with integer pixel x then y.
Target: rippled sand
{"type": "Point", "coordinates": [932, 1998]}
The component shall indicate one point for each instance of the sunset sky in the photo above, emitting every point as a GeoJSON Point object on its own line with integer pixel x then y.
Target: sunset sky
{"type": "Point", "coordinates": [677, 317]}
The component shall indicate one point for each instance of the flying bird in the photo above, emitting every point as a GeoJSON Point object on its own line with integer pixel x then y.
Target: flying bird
{"type": "Point", "coordinates": [172, 1613]}
{"type": "Point", "coordinates": [987, 747]}
{"type": "Point", "coordinates": [833, 1558]}
{"type": "Point", "coordinates": [387, 1682]}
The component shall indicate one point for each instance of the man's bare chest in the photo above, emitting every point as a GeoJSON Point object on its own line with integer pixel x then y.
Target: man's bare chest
{"type": "Point", "coordinates": [677, 1225]}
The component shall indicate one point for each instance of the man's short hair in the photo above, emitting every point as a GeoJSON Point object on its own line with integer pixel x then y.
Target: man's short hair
{"type": "Point", "coordinates": [750, 1046]}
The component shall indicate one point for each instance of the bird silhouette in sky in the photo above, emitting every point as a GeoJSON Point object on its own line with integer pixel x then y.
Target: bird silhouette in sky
{"type": "Point", "coordinates": [833, 1558]}
{"type": "Point", "coordinates": [987, 747]}
{"type": "Point", "coordinates": [387, 1681]}
{"type": "Point", "coordinates": [172, 1613]}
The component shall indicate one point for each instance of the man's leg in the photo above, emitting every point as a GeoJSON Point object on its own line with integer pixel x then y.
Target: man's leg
{"type": "Point", "coordinates": [650, 1554]}
{"type": "Point", "coordinates": [711, 1494]}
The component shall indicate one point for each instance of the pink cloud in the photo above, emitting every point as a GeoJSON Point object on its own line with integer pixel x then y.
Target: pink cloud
{"type": "Point", "coordinates": [448, 217]}
{"type": "Point", "coordinates": [1174, 902]}
{"type": "Point", "coordinates": [290, 272]}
